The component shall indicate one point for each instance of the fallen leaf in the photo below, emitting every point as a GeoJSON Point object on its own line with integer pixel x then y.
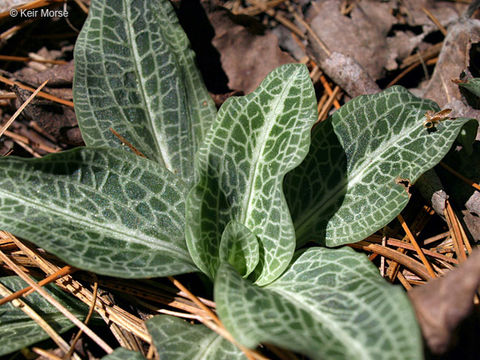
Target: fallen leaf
{"type": "Point", "coordinates": [58, 76]}
{"type": "Point", "coordinates": [453, 60]}
{"type": "Point", "coordinates": [59, 121]}
{"type": "Point", "coordinates": [445, 12]}
{"type": "Point", "coordinates": [362, 35]}
{"type": "Point", "coordinates": [345, 71]}
{"type": "Point", "coordinates": [443, 303]}
{"type": "Point", "coordinates": [246, 57]}
{"type": "Point", "coordinates": [464, 196]}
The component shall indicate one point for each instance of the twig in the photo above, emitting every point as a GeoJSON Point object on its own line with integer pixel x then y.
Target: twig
{"type": "Point", "coordinates": [110, 312]}
{"type": "Point", "coordinates": [329, 90]}
{"type": "Point", "coordinates": [255, 10]}
{"type": "Point", "coordinates": [27, 148]}
{"type": "Point", "coordinates": [46, 354]}
{"type": "Point", "coordinates": [436, 238]}
{"type": "Point", "coordinates": [312, 33]}
{"type": "Point", "coordinates": [408, 69]}
{"type": "Point", "coordinates": [27, 141]}
{"type": "Point", "coordinates": [197, 302]}
{"type": "Point", "coordinates": [404, 281]}
{"type": "Point", "coordinates": [10, 32]}
{"type": "Point", "coordinates": [408, 246]}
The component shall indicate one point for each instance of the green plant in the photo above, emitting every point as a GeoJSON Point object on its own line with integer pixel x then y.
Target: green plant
{"type": "Point", "coordinates": [232, 194]}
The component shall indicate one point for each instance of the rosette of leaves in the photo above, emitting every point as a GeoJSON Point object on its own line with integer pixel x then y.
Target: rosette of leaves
{"type": "Point", "coordinates": [230, 194]}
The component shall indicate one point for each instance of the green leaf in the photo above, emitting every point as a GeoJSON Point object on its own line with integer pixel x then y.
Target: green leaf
{"type": "Point", "coordinates": [330, 304]}
{"type": "Point", "coordinates": [362, 160]}
{"type": "Point", "coordinates": [254, 141]}
{"type": "Point", "coordinates": [18, 330]}
{"type": "Point", "coordinates": [239, 247]}
{"type": "Point", "coordinates": [471, 91]}
{"type": "Point", "coordinates": [103, 210]}
{"type": "Point", "coordinates": [175, 339]}
{"type": "Point", "coordinates": [124, 354]}
{"type": "Point", "coordinates": [135, 72]}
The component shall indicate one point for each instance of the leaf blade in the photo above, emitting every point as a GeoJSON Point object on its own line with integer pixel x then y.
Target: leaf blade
{"type": "Point", "coordinates": [123, 354]}
{"type": "Point", "coordinates": [176, 339]}
{"type": "Point", "coordinates": [255, 140]}
{"type": "Point", "coordinates": [104, 210]}
{"type": "Point", "coordinates": [239, 247]}
{"type": "Point", "coordinates": [363, 159]}
{"type": "Point", "coordinates": [330, 304]}
{"type": "Point", "coordinates": [135, 72]}
{"type": "Point", "coordinates": [18, 330]}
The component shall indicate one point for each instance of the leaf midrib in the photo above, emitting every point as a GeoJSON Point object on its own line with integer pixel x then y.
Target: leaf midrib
{"type": "Point", "coordinates": [207, 346]}
{"type": "Point", "coordinates": [278, 100]}
{"type": "Point", "coordinates": [103, 229]}
{"type": "Point", "coordinates": [157, 138]}
{"type": "Point", "coordinates": [302, 225]}
{"type": "Point", "coordinates": [325, 320]}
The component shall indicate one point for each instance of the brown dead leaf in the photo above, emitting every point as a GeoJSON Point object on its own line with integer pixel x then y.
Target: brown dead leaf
{"type": "Point", "coordinates": [442, 304]}
{"type": "Point", "coordinates": [445, 12]}
{"type": "Point", "coordinates": [58, 76]}
{"type": "Point", "coordinates": [246, 58]}
{"type": "Point", "coordinates": [362, 35]}
{"type": "Point", "coordinates": [453, 60]}
{"type": "Point", "coordinates": [345, 71]}
{"type": "Point", "coordinates": [59, 121]}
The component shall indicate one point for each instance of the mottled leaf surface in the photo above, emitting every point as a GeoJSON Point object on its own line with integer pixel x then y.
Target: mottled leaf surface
{"type": "Point", "coordinates": [175, 339]}
{"type": "Point", "coordinates": [135, 72]}
{"type": "Point", "coordinates": [239, 247]}
{"type": "Point", "coordinates": [18, 330]}
{"type": "Point", "coordinates": [124, 354]}
{"type": "Point", "coordinates": [104, 210]}
{"type": "Point", "coordinates": [330, 304]}
{"type": "Point", "coordinates": [254, 141]}
{"type": "Point", "coordinates": [362, 160]}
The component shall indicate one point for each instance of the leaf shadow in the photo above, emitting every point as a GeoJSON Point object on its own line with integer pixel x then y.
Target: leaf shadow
{"type": "Point", "coordinates": [317, 187]}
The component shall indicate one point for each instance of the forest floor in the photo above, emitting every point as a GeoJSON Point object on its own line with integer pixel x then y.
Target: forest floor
{"type": "Point", "coordinates": [427, 46]}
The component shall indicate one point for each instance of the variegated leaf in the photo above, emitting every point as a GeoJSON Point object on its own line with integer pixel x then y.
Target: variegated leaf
{"type": "Point", "coordinates": [255, 140]}
{"type": "Point", "coordinates": [363, 159]}
{"type": "Point", "coordinates": [124, 354]}
{"type": "Point", "coordinates": [239, 247]}
{"type": "Point", "coordinates": [135, 72]}
{"type": "Point", "coordinates": [18, 330]}
{"type": "Point", "coordinates": [330, 304]}
{"type": "Point", "coordinates": [103, 210]}
{"type": "Point", "coordinates": [175, 339]}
